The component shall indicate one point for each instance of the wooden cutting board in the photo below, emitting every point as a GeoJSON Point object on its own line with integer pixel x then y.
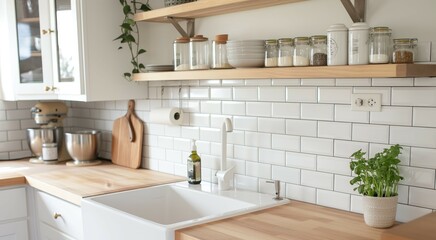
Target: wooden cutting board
{"type": "Point", "coordinates": [127, 138]}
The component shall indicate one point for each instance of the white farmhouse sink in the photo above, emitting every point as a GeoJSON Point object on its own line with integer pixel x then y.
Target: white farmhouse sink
{"type": "Point", "coordinates": [156, 212]}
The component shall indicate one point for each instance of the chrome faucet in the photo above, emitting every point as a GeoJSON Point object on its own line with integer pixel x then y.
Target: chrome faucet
{"type": "Point", "coordinates": [277, 189]}
{"type": "Point", "coordinates": [225, 176]}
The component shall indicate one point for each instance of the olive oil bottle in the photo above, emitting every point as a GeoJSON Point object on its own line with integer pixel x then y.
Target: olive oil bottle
{"type": "Point", "coordinates": [194, 166]}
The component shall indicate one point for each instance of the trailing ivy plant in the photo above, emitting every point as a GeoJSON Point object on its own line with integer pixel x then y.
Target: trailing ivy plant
{"type": "Point", "coordinates": [130, 34]}
{"type": "Point", "coordinates": [378, 176]}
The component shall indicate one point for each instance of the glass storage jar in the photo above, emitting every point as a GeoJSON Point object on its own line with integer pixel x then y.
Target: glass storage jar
{"type": "Point", "coordinates": [181, 54]}
{"type": "Point", "coordinates": [301, 51]}
{"type": "Point", "coordinates": [286, 48]}
{"type": "Point", "coordinates": [219, 52]}
{"type": "Point", "coordinates": [199, 52]}
{"type": "Point", "coordinates": [271, 53]}
{"type": "Point", "coordinates": [318, 50]}
{"type": "Point", "coordinates": [404, 50]}
{"type": "Point", "coordinates": [379, 45]}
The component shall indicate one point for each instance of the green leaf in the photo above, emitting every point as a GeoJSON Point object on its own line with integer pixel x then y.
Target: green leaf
{"type": "Point", "coordinates": [145, 7]}
{"type": "Point", "coordinates": [141, 66]}
{"type": "Point", "coordinates": [130, 21]}
{"type": "Point", "coordinates": [129, 38]}
{"type": "Point", "coordinates": [126, 26]}
{"type": "Point", "coordinates": [127, 75]}
{"type": "Point", "coordinates": [119, 37]}
{"type": "Point", "coordinates": [141, 51]}
{"type": "Point", "coordinates": [127, 9]}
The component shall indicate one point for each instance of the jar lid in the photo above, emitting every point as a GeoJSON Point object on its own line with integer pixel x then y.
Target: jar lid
{"type": "Point", "coordinates": [49, 145]}
{"type": "Point", "coordinates": [199, 38]}
{"type": "Point", "coordinates": [286, 40]}
{"type": "Point", "coordinates": [182, 40]}
{"type": "Point", "coordinates": [359, 26]}
{"type": "Point", "coordinates": [318, 38]}
{"type": "Point", "coordinates": [301, 40]}
{"type": "Point", "coordinates": [412, 41]}
{"type": "Point", "coordinates": [380, 30]}
{"type": "Point", "coordinates": [222, 38]}
{"type": "Point", "coordinates": [337, 27]}
{"type": "Point", "coordinates": [271, 42]}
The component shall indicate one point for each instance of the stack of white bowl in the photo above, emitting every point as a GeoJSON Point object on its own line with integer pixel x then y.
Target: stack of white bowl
{"type": "Point", "coordinates": [246, 53]}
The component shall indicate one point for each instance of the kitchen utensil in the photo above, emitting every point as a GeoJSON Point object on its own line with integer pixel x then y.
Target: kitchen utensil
{"type": "Point", "coordinates": [38, 136]}
{"type": "Point", "coordinates": [83, 146]}
{"type": "Point", "coordinates": [127, 138]}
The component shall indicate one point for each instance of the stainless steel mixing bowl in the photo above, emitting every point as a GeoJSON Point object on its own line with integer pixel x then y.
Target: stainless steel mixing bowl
{"type": "Point", "coordinates": [83, 145]}
{"type": "Point", "coordinates": [37, 136]}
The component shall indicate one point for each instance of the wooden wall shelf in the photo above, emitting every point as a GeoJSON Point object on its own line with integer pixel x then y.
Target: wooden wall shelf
{"type": "Point", "coordinates": [206, 8]}
{"type": "Point", "coordinates": [355, 71]}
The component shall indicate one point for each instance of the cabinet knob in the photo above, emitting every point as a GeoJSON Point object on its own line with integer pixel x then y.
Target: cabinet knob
{"type": "Point", "coordinates": [56, 215]}
{"type": "Point", "coordinates": [47, 88]}
{"type": "Point", "coordinates": [52, 88]}
{"type": "Point", "coordinates": [44, 31]}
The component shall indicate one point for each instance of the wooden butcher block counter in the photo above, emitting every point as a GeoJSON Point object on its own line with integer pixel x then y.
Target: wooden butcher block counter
{"type": "Point", "coordinates": [74, 183]}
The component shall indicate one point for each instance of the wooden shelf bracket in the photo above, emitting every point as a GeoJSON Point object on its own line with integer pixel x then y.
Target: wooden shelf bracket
{"type": "Point", "coordinates": [356, 11]}
{"type": "Point", "coordinates": [190, 25]}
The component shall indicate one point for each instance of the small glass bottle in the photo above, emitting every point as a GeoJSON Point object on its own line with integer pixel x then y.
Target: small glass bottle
{"type": "Point", "coordinates": [318, 50]}
{"type": "Point", "coordinates": [219, 52]}
{"type": "Point", "coordinates": [404, 50]}
{"type": "Point", "coordinates": [301, 51]}
{"type": "Point", "coordinates": [181, 54]}
{"type": "Point", "coordinates": [286, 49]}
{"type": "Point", "coordinates": [379, 44]}
{"type": "Point", "coordinates": [49, 151]}
{"type": "Point", "coordinates": [199, 52]}
{"type": "Point", "coordinates": [271, 53]}
{"type": "Point", "coordinates": [194, 166]}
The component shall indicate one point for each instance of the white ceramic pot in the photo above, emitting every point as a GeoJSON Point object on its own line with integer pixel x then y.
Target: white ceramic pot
{"type": "Point", "coordinates": [379, 212]}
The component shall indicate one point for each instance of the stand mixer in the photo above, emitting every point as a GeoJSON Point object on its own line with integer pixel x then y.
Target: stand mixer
{"type": "Point", "coordinates": [49, 116]}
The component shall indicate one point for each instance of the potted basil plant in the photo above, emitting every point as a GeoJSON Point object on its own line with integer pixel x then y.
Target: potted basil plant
{"type": "Point", "coordinates": [377, 180]}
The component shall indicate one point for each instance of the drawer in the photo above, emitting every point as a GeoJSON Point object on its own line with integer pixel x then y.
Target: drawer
{"type": "Point", "coordinates": [14, 231]}
{"type": "Point", "coordinates": [59, 214]}
{"type": "Point", "coordinates": [49, 233]}
{"type": "Point", "coordinates": [13, 203]}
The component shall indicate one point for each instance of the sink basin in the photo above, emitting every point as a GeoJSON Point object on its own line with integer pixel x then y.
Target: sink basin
{"type": "Point", "coordinates": [156, 212]}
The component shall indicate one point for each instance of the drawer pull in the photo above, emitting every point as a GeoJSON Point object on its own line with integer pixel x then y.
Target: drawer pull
{"type": "Point", "coordinates": [56, 215]}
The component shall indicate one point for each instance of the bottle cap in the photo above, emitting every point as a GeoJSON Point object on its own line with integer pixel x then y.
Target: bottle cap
{"type": "Point", "coordinates": [194, 147]}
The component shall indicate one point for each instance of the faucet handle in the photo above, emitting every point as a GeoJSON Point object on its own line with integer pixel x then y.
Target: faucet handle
{"type": "Point", "coordinates": [277, 189]}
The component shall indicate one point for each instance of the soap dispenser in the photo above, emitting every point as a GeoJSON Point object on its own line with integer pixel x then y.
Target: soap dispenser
{"type": "Point", "coordinates": [194, 166]}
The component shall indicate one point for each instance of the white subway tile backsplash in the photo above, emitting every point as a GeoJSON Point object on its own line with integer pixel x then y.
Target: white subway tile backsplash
{"type": "Point", "coordinates": [342, 184]}
{"type": "Point", "coordinates": [258, 82]}
{"type": "Point", "coordinates": [422, 197]}
{"type": "Point", "coordinates": [318, 82]}
{"type": "Point", "coordinates": [245, 93]}
{"type": "Point", "coordinates": [210, 82]}
{"type": "Point", "coordinates": [191, 132]}
{"type": "Point", "coordinates": [245, 123]}
{"type": "Point", "coordinates": [333, 165]}
{"type": "Point", "coordinates": [173, 131]}
{"type": "Point", "coordinates": [256, 139]}
{"type": "Point", "coordinates": [286, 110]}
{"type": "Point", "coordinates": [425, 82]}
{"type": "Point", "coordinates": [317, 179]}
{"type": "Point", "coordinates": [213, 107]}
{"type": "Point", "coordinates": [335, 130]}
{"type": "Point", "coordinates": [188, 106]}
{"type": "Point", "coordinates": [419, 177]}
{"type": "Point", "coordinates": [317, 111]}
{"type": "Point", "coordinates": [285, 142]}
{"type": "Point", "coordinates": [232, 82]}
{"type": "Point", "coordinates": [334, 95]}
{"type": "Point", "coordinates": [333, 199]}
{"type": "Point", "coordinates": [246, 182]}
{"type": "Point", "coordinates": [301, 193]}
{"type": "Point", "coordinates": [403, 194]}
{"type": "Point", "coordinates": [13, 146]}
{"type": "Point", "coordinates": [423, 157]}
{"type": "Point", "coordinates": [346, 148]}
{"type": "Point", "coordinates": [317, 146]}
{"type": "Point", "coordinates": [233, 108]}
{"type": "Point", "coordinates": [260, 170]}
{"type": "Point", "coordinates": [236, 137]}
{"type": "Point", "coordinates": [301, 127]}
{"type": "Point", "coordinates": [343, 113]}
{"type": "Point", "coordinates": [165, 142]}
{"type": "Point", "coordinates": [259, 109]}
{"type": "Point", "coordinates": [370, 133]}
{"type": "Point", "coordinates": [9, 125]}
{"type": "Point", "coordinates": [275, 157]}
{"type": "Point", "coordinates": [199, 119]}
{"type": "Point", "coordinates": [272, 94]}
{"type": "Point", "coordinates": [272, 125]}
{"type": "Point", "coordinates": [286, 82]}
{"type": "Point", "coordinates": [389, 82]}
{"type": "Point", "coordinates": [393, 116]}
{"type": "Point", "coordinates": [173, 156]}
{"type": "Point", "coordinates": [215, 149]}
{"type": "Point", "coordinates": [413, 136]}
{"type": "Point", "coordinates": [301, 160]}
{"type": "Point", "coordinates": [301, 94]}
{"type": "Point", "coordinates": [356, 204]}
{"type": "Point", "coordinates": [384, 91]}
{"type": "Point", "coordinates": [414, 96]}
{"type": "Point", "coordinates": [7, 105]}
{"type": "Point", "coordinates": [408, 213]}
{"type": "Point", "coordinates": [166, 167]}
{"type": "Point", "coordinates": [210, 134]}
{"type": "Point", "coordinates": [286, 174]}
{"type": "Point", "coordinates": [199, 93]}
{"type": "Point", "coordinates": [246, 153]}
{"type": "Point", "coordinates": [353, 82]}
{"type": "Point", "coordinates": [424, 117]}
{"type": "Point", "coordinates": [221, 93]}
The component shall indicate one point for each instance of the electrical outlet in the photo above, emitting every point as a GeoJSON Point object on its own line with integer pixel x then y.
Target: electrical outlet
{"type": "Point", "coordinates": [367, 102]}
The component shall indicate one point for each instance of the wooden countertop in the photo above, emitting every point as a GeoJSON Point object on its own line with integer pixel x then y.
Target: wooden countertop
{"type": "Point", "coordinates": [296, 220]}
{"type": "Point", "coordinates": [74, 183]}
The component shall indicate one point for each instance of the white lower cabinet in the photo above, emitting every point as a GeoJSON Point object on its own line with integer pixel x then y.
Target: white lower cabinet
{"type": "Point", "coordinates": [57, 219]}
{"type": "Point", "coordinates": [13, 214]}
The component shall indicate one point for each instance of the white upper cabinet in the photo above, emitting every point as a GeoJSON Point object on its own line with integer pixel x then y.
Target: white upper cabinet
{"type": "Point", "coordinates": [63, 49]}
